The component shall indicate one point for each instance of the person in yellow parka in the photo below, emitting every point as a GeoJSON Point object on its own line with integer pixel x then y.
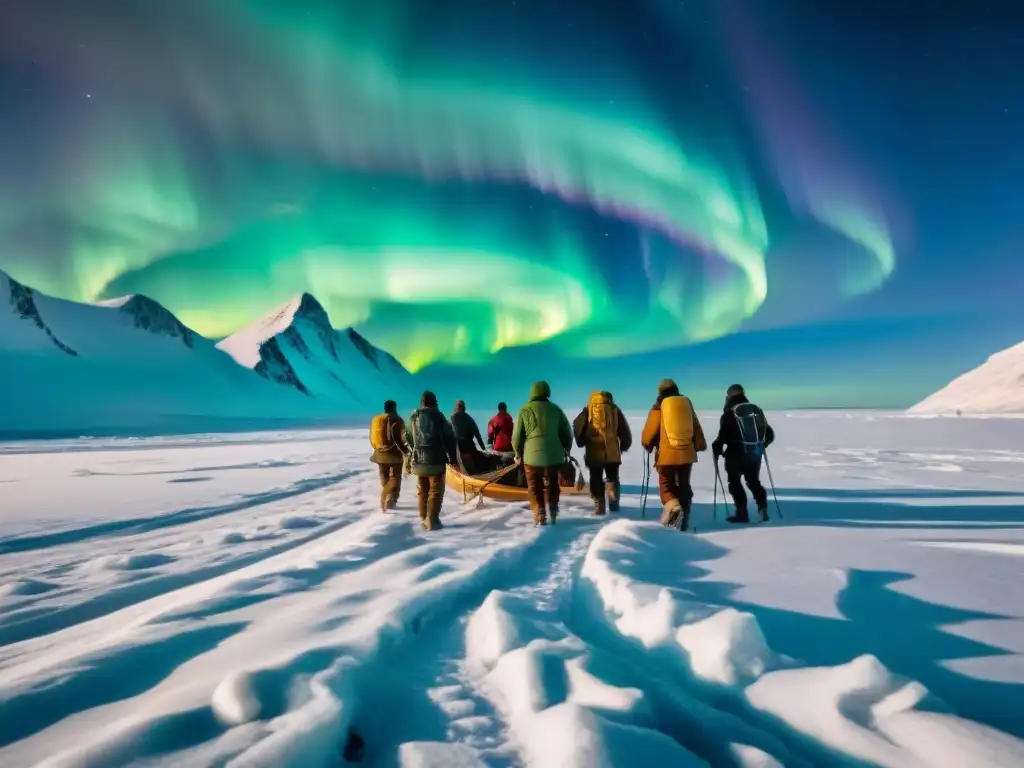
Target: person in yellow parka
{"type": "Point", "coordinates": [387, 436]}
{"type": "Point", "coordinates": [674, 433]}
{"type": "Point", "coordinates": [603, 432]}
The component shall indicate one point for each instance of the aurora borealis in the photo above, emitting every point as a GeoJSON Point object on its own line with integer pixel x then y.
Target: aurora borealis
{"type": "Point", "coordinates": [459, 180]}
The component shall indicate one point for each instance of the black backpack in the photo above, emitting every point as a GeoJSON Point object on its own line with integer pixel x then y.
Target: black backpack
{"type": "Point", "coordinates": [753, 428]}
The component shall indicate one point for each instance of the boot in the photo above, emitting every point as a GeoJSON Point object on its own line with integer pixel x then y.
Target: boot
{"type": "Point", "coordinates": [599, 505]}
{"type": "Point", "coordinates": [435, 513]}
{"type": "Point", "coordinates": [762, 510]}
{"type": "Point", "coordinates": [740, 516]}
{"type": "Point", "coordinates": [553, 513]}
{"type": "Point", "coordinates": [539, 517]}
{"type": "Point", "coordinates": [612, 489]}
{"type": "Point", "coordinates": [392, 503]}
{"type": "Point", "coordinates": [670, 514]}
{"type": "Point", "coordinates": [421, 502]}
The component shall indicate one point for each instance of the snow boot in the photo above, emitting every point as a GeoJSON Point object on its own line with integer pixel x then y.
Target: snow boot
{"type": "Point", "coordinates": [421, 503]}
{"type": "Point", "coordinates": [599, 505]}
{"type": "Point", "coordinates": [762, 510]}
{"type": "Point", "coordinates": [670, 516]}
{"type": "Point", "coordinates": [553, 514]}
{"type": "Point", "coordinates": [435, 524]}
{"type": "Point", "coordinates": [739, 517]}
{"type": "Point", "coordinates": [612, 489]}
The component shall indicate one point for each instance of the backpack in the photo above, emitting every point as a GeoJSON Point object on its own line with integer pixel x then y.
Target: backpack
{"type": "Point", "coordinates": [752, 426]}
{"type": "Point", "coordinates": [677, 421]}
{"type": "Point", "coordinates": [429, 438]}
{"type": "Point", "coordinates": [601, 419]}
{"type": "Point", "coordinates": [380, 432]}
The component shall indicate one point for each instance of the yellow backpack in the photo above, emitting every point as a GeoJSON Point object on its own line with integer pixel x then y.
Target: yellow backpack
{"type": "Point", "coordinates": [380, 432]}
{"type": "Point", "coordinates": [601, 413]}
{"type": "Point", "coordinates": [677, 421]}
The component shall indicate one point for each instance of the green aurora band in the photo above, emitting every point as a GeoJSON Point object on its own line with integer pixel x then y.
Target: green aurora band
{"type": "Point", "coordinates": [269, 148]}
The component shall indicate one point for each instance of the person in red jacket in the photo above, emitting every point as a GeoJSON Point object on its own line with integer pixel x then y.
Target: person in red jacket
{"type": "Point", "coordinates": [499, 430]}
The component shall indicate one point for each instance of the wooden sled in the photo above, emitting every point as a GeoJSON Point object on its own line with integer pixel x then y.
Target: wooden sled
{"type": "Point", "coordinates": [473, 485]}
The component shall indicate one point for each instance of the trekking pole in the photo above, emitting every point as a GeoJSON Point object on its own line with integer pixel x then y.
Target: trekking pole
{"type": "Point", "coordinates": [771, 482]}
{"type": "Point", "coordinates": [721, 484]}
{"type": "Point", "coordinates": [645, 488]}
{"type": "Point", "coordinates": [714, 495]}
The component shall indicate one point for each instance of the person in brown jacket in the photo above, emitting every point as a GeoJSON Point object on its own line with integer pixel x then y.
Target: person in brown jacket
{"type": "Point", "coordinates": [602, 431]}
{"type": "Point", "coordinates": [387, 436]}
{"type": "Point", "coordinates": [674, 433]}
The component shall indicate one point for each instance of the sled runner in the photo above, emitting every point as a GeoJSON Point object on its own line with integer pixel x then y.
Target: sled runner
{"type": "Point", "coordinates": [470, 485]}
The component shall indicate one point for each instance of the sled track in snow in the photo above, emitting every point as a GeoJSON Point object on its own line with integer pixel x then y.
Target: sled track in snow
{"type": "Point", "coordinates": [179, 517]}
{"type": "Point", "coordinates": [35, 617]}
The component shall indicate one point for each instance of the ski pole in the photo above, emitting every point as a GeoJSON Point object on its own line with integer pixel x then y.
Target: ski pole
{"type": "Point", "coordinates": [645, 488]}
{"type": "Point", "coordinates": [714, 497]}
{"type": "Point", "coordinates": [771, 482]}
{"type": "Point", "coordinates": [721, 484]}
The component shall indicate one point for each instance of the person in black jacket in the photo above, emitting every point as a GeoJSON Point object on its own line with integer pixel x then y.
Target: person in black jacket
{"type": "Point", "coordinates": [743, 452]}
{"type": "Point", "coordinates": [467, 435]}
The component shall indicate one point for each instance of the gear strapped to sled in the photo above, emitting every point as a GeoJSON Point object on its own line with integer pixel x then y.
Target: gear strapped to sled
{"type": "Point", "coordinates": [380, 432]}
{"type": "Point", "coordinates": [753, 428]}
{"type": "Point", "coordinates": [677, 421]}
{"type": "Point", "coordinates": [602, 419]}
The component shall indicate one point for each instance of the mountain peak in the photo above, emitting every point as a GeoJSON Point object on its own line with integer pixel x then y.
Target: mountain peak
{"type": "Point", "coordinates": [306, 306]}
{"type": "Point", "coordinates": [150, 315]}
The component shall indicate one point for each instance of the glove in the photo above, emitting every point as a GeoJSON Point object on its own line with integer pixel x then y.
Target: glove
{"type": "Point", "coordinates": [716, 450]}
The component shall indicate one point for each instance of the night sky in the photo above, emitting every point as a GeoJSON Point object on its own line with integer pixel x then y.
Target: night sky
{"type": "Point", "coordinates": [820, 200]}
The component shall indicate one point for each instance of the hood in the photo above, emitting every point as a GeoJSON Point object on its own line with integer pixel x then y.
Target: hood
{"type": "Point", "coordinates": [540, 390]}
{"type": "Point", "coordinates": [733, 400]}
{"type": "Point", "coordinates": [666, 388]}
{"type": "Point", "coordinates": [460, 407]}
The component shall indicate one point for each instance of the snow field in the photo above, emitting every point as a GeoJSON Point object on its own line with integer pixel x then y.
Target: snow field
{"type": "Point", "coordinates": [272, 616]}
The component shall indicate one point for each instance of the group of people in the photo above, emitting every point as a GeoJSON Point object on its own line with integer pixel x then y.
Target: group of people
{"type": "Point", "coordinates": [539, 441]}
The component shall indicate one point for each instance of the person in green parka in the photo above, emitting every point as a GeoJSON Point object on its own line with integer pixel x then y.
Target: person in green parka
{"type": "Point", "coordinates": [541, 440]}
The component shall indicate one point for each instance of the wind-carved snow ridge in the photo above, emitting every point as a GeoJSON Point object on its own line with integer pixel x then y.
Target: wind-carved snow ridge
{"type": "Point", "coordinates": [633, 583]}
{"type": "Point", "coordinates": [22, 300]}
{"type": "Point", "coordinates": [996, 386]}
{"type": "Point", "coordinates": [296, 346]}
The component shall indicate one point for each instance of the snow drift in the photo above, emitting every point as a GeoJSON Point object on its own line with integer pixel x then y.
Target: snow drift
{"type": "Point", "coordinates": [129, 364]}
{"type": "Point", "coordinates": [996, 386]}
{"type": "Point", "coordinates": [295, 345]}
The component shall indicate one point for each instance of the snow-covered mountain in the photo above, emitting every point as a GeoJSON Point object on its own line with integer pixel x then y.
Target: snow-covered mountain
{"type": "Point", "coordinates": [996, 386]}
{"type": "Point", "coordinates": [295, 345]}
{"type": "Point", "coordinates": [129, 364]}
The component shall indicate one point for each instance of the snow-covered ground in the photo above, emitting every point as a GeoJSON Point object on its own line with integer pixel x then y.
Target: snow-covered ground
{"type": "Point", "coordinates": [240, 600]}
